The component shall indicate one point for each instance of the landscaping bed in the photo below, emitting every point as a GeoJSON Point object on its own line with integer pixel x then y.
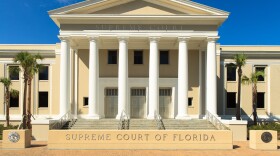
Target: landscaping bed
{"type": "Point", "coordinates": [5, 128]}
{"type": "Point", "coordinates": [268, 126]}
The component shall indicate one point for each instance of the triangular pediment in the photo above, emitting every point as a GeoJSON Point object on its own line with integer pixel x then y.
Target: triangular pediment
{"type": "Point", "coordinates": [139, 7]}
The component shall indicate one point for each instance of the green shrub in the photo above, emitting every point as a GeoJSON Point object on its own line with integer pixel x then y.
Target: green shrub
{"type": "Point", "coordinates": [269, 126]}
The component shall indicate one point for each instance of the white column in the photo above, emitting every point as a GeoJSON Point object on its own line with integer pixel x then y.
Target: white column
{"type": "Point", "coordinates": [153, 78]}
{"type": "Point", "coordinates": [211, 87]}
{"type": "Point", "coordinates": [123, 76]}
{"type": "Point", "coordinates": [64, 75]}
{"type": "Point", "coordinates": [93, 109]}
{"type": "Point", "coordinates": [183, 84]}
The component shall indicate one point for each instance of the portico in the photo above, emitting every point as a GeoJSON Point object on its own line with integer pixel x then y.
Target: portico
{"type": "Point", "coordinates": [175, 42]}
{"type": "Point", "coordinates": [151, 84]}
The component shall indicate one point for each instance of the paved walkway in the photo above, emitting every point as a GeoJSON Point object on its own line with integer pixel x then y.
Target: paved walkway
{"type": "Point", "coordinates": [40, 149]}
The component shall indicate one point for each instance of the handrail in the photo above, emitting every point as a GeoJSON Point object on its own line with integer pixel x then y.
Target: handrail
{"type": "Point", "coordinates": [215, 121]}
{"type": "Point", "coordinates": [68, 117]}
{"type": "Point", "coordinates": [124, 122]}
{"type": "Point", "coordinates": [159, 122]}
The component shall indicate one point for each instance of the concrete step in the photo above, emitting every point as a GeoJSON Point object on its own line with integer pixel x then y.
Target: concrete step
{"type": "Point", "coordinates": [172, 124]}
{"type": "Point", "coordinates": [142, 124]}
{"type": "Point", "coordinates": [96, 124]}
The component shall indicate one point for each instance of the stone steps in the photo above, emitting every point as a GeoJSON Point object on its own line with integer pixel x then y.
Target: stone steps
{"type": "Point", "coordinates": [95, 124]}
{"type": "Point", "coordinates": [143, 124]}
{"type": "Point", "coordinates": [172, 124]}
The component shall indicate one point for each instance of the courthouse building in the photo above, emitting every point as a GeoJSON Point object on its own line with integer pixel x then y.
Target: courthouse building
{"type": "Point", "coordinates": [141, 58]}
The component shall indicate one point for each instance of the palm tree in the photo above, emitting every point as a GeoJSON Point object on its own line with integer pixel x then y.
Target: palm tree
{"type": "Point", "coordinates": [253, 80]}
{"type": "Point", "coordinates": [239, 62]}
{"type": "Point", "coordinates": [8, 92]}
{"type": "Point", "coordinates": [26, 60]}
{"type": "Point", "coordinates": [33, 69]}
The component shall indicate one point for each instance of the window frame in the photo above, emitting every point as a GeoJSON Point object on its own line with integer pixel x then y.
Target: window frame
{"type": "Point", "coordinates": [168, 57]}
{"type": "Point", "coordinates": [17, 103]}
{"type": "Point", "coordinates": [227, 105]}
{"type": "Point", "coordinates": [264, 68]}
{"type": "Point", "coordinates": [108, 57]}
{"type": "Point", "coordinates": [85, 100]}
{"type": "Point", "coordinates": [263, 100]}
{"type": "Point", "coordinates": [134, 57]}
{"type": "Point", "coordinates": [41, 107]}
{"type": "Point", "coordinates": [48, 67]}
{"type": "Point", "coordinates": [190, 101]}
{"type": "Point", "coordinates": [227, 67]}
{"type": "Point", "coordinates": [9, 74]}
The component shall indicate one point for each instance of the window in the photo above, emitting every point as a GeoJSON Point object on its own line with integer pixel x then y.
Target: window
{"type": "Point", "coordinates": [260, 100]}
{"type": "Point", "coordinates": [112, 57]}
{"type": "Point", "coordinates": [231, 73]}
{"type": "Point", "coordinates": [262, 69]}
{"type": "Point", "coordinates": [85, 101]}
{"type": "Point", "coordinates": [138, 57]}
{"type": "Point", "coordinates": [164, 57]}
{"type": "Point", "coordinates": [231, 100]}
{"type": "Point", "coordinates": [14, 101]}
{"type": "Point", "coordinates": [14, 72]}
{"type": "Point", "coordinates": [43, 99]}
{"type": "Point", "coordinates": [44, 73]}
{"type": "Point", "coordinates": [190, 102]}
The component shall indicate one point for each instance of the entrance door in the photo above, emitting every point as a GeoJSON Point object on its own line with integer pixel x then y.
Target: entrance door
{"type": "Point", "coordinates": [111, 103]}
{"type": "Point", "coordinates": [165, 103]}
{"type": "Point", "coordinates": [138, 103]}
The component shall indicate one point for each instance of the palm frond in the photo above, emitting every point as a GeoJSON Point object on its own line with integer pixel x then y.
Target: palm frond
{"type": "Point", "coordinates": [6, 82]}
{"type": "Point", "coordinates": [240, 59]}
{"type": "Point", "coordinates": [14, 93]}
{"type": "Point", "coordinates": [245, 80]}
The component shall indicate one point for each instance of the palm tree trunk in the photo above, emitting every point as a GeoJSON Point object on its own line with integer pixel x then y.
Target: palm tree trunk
{"type": "Point", "coordinates": [29, 105]}
{"type": "Point", "coordinates": [238, 116]}
{"type": "Point", "coordinates": [24, 102]}
{"type": "Point", "coordinates": [255, 104]}
{"type": "Point", "coordinates": [7, 107]}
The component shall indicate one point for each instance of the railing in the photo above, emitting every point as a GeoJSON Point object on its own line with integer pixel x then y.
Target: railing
{"type": "Point", "coordinates": [215, 121]}
{"type": "Point", "coordinates": [124, 122]}
{"type": "Point", "coordinates": [68, 117]}
{"type": "Point", "coordinates": [159, 122]}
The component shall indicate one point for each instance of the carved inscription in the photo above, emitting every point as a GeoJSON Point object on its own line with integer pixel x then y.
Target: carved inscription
{"type": "Point", "coordinates": [138, 27]}
{"type": "Point", "coordinates": [141, 137]}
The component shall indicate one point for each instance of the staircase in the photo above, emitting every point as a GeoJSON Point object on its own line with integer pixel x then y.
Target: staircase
{"type": "Point", "coordinates": [194, 124]}
{"type": "Point", "coordinates": [94, 124]}
{"type": "Point", "coordinates": [142, 124]}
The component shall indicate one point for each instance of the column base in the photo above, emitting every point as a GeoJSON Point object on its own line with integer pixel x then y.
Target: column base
{"type": "Point", "coordinates": [151, 117]}
{"type": "Point", "coordinates": [94, 116]}
{"type": "Point", "coordinates": [183, 117]}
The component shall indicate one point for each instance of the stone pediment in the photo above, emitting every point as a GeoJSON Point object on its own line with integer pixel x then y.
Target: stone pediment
{"type": "Point", "coordinates": [138, 7]}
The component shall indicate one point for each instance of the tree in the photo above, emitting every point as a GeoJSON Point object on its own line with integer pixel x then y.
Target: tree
{"type": "Point", "coordinates": [8, 92]}
{"type": "Point", "coordinates": [239, 62]}
{"type": "Point", "coordinates": [26, 61]}
{"type": "Point", "coordinates": [254, 81]}
{"type": "Point", "coordinates": [34, 68]}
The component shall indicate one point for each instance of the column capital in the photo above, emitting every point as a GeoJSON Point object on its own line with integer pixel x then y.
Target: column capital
{"type": "Point", "coordinates": [93, 38]}
{"type": "Point", "coordinates": [184, 38]}
{"type": "Point", "coordinates": [212, 38]}
{"type": "Point", "coordinates": [123, 38]}
{"type": "Point", "coordinates": [64, 38]}
{"type": "Point", "coordinates": [154, 39]}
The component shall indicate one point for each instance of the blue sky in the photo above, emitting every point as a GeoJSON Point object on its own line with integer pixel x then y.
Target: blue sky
{"type": "Point", "coordinates": [252, 22]}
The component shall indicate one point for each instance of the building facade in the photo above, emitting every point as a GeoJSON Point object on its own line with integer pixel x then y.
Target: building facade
{"type": "Point", "coordinates": [141, 58]}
